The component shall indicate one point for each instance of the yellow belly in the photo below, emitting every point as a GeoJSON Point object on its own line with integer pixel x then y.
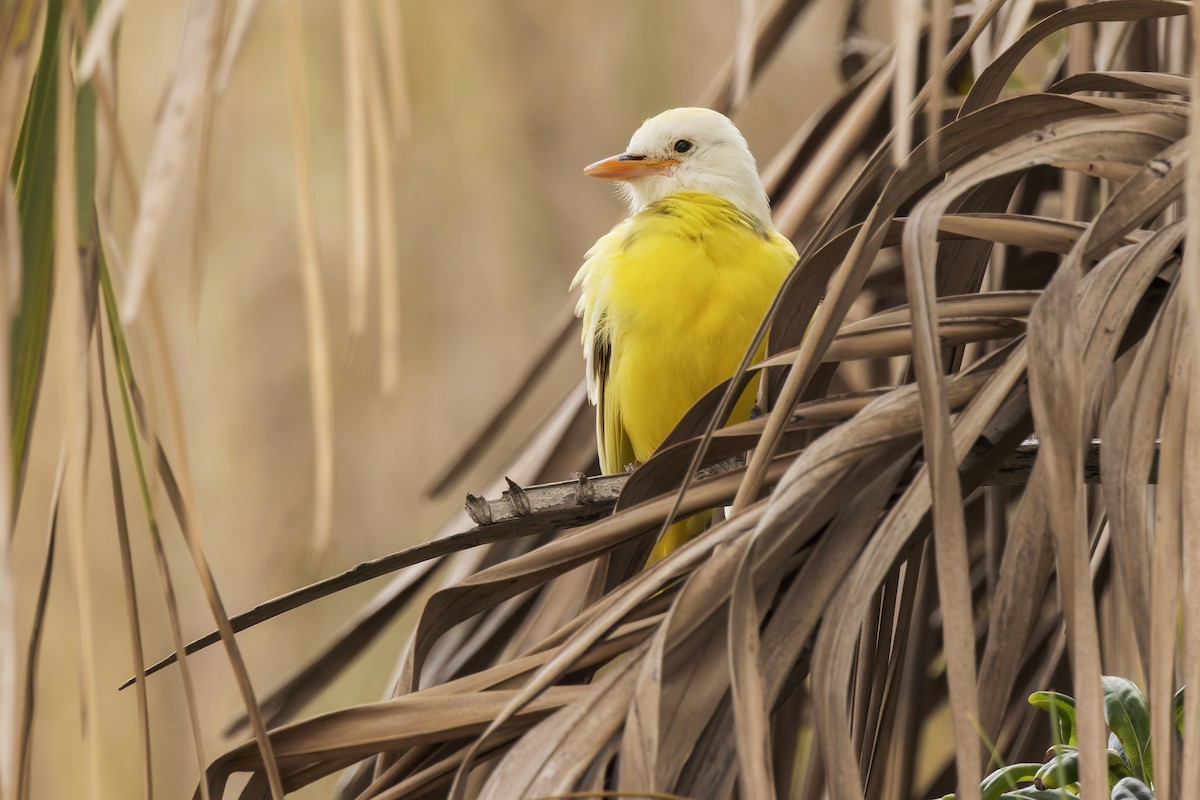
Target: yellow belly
{"type": "Point", "coordinates": [671, 300]}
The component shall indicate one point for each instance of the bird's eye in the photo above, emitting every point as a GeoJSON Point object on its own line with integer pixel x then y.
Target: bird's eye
{"type": "Point", "coordinates": [682, 146]}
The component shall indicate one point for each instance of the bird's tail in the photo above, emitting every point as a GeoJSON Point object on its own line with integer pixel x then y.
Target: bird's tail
{"type": "Point", "coordinates": [679, 534]}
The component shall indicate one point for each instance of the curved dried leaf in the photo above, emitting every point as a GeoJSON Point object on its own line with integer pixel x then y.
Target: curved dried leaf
{"type": "Point", "coordinates": [1118, 81]}
{"type": "Point", "coordinates": [991, 82]}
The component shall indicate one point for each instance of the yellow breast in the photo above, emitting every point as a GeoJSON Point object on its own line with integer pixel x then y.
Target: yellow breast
{"type": "Point", "coordinates": [671, 299]}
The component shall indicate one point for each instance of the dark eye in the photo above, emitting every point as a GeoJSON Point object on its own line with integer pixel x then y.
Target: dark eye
{"type": "Point", "coordinates": [682, 146]}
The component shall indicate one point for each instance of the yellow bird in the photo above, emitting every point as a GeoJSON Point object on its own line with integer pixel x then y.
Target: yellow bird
{"type": "Point", "coordinates": [672, 296]}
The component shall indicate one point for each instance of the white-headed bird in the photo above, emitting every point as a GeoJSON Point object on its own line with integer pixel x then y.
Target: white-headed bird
{"type": "Point", "coordinates": [672, 296]}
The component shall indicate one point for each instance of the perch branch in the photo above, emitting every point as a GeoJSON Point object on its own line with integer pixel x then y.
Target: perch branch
{"type": "Point", "coordinates": [541, 509]}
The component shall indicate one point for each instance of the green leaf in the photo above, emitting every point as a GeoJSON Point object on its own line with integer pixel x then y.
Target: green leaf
{"type": "Point", "coordinates": [33, 171]}
{"type": "Point", "coordinates": [1059, 772]}
{"type": "Point", "coordinates": [1061, 708]}
{"type": "Point", "coordinates": [1006, 778]}
{"type": "Point", "coordinates": [1030, 793]}
{"type": "Point", "coordinates": [85, 152]}
{"type": "Point", "coordinates": [33, 177]}
{"type": "Point", "coordinates": [1179, 709]}
{"type": "Point", "coordinates": [1118, 768]}
{"type": "Point", "coordinates": [1128, 716]}
{"type": "Point", "coordinates": [1132, 789]}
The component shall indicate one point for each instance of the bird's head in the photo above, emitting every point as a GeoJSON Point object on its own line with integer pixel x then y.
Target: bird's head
{"type": "Point", "coordinates": [687, 150]}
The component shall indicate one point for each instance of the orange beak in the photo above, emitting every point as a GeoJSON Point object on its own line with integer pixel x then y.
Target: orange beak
{"type": "Point", "coordinates": [627, 165]}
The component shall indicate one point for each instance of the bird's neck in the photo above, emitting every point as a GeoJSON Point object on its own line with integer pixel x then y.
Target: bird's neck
{"type": "Point", "coordinates": [746, 195]}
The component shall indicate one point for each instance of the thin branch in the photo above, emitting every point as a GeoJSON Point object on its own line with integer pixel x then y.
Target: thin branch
{"type": "Point", "coordinates": [521, 512]}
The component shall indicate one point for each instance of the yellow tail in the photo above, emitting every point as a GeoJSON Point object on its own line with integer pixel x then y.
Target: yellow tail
{"type": "Point", "coordinates": [679, 534]}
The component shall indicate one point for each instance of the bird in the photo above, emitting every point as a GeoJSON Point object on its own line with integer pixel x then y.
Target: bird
{"type": "Point", "coordinates": [671, 297]}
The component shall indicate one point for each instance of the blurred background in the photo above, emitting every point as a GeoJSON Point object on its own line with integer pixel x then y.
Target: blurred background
{"type": "Point", "coordinates": [506, 102]}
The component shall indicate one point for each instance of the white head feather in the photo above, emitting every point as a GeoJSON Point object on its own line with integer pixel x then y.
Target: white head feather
{"type": "Point", "coordinates": [718, 162]}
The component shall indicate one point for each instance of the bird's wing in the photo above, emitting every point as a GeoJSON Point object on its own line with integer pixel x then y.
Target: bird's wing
{"type": "Point", "coordinates": [616, 451]}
